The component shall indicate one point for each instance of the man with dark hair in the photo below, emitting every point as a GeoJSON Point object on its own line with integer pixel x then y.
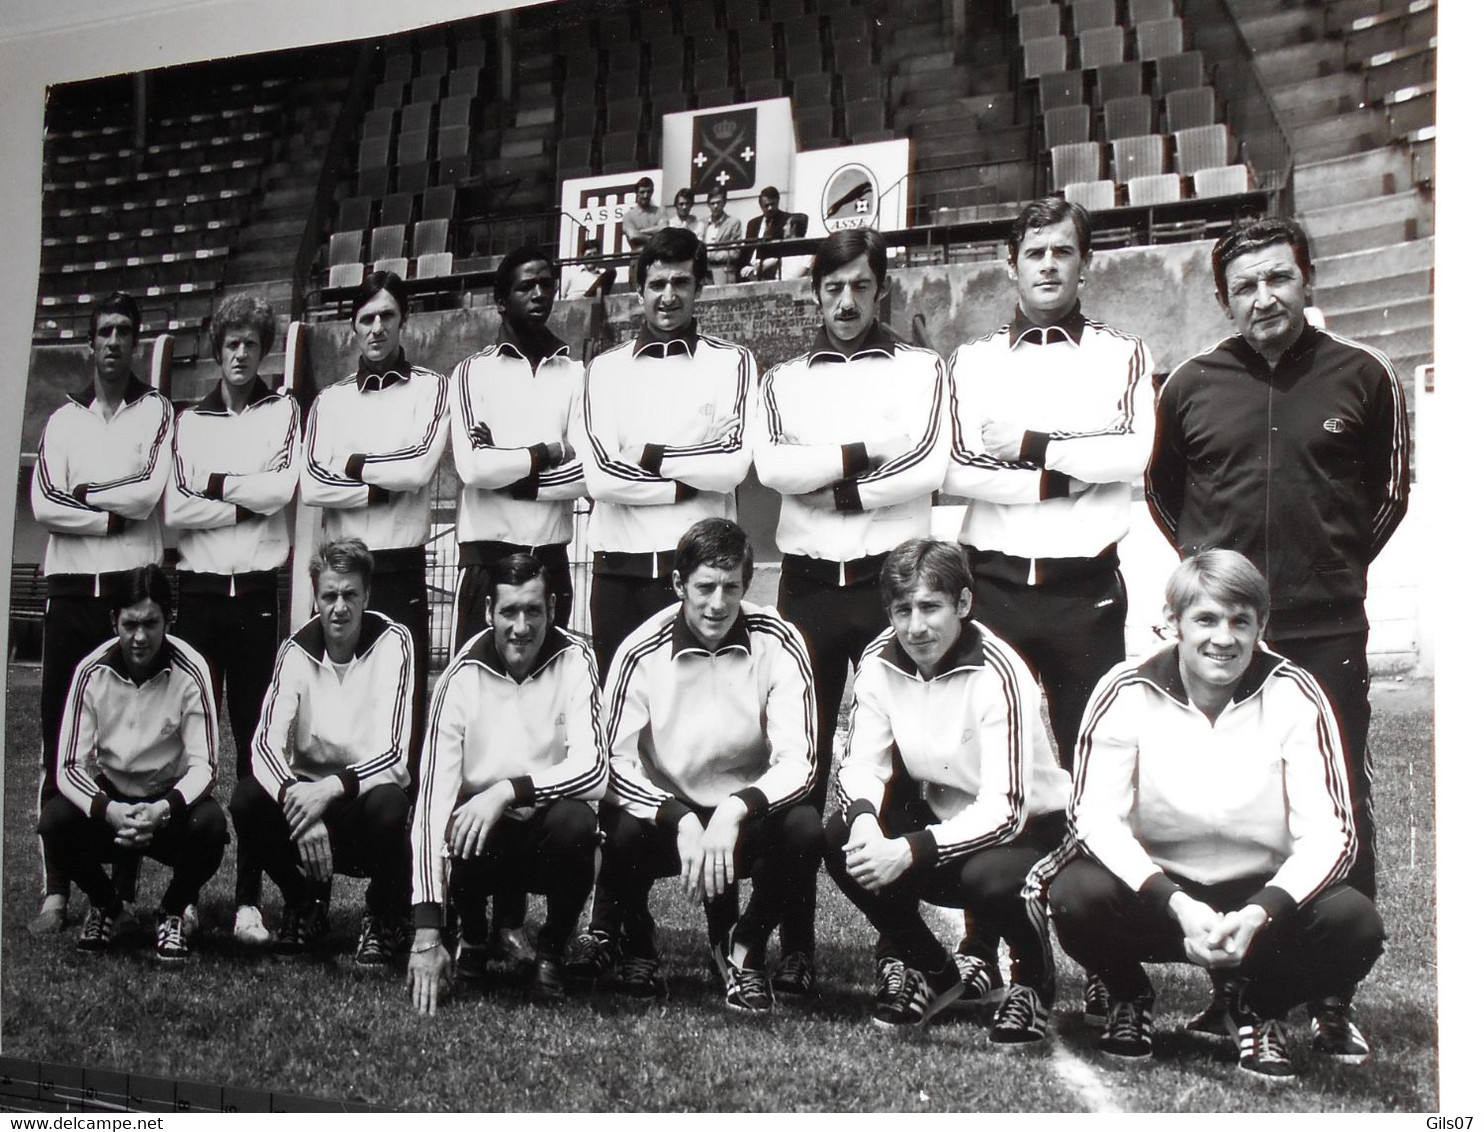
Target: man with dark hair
{"type": "Point", "coordinates": [1210, 823]}
{"type": "Point", "coordinates": [685, 202]}
{"type": "Point", "coordinates": [592, 279]}
{"type": "Point", "coordinates": [643, 219]}
{"type": "Point", "coordinates": [235, 470]}
{"type": "Point", "coordinates": [138, 762]}
{"type": "Point", "coordinates": [512, 404]}
{"type": "Point", "coordinates": [371, 446]}
{"type": "Point", "coordinates": [513, 758]}
{"type": "Point", "coordinates": [853, 442]}
{"type": "Point", "coordinates": [709, 721]}
{"type": "Point", "coordinates": [1289, 444]}
{"type": "Point", "coordinates": [101, 466]}
{"type": "Point", "coordinates": [768, 224]}
{"type": "Point", "coordinates": [329, 786]}
{"type": "Point", "coordinates": [948, 793]}
{"type": "Point", "coordinates": [722, 262]}
{"type": "Point", "coordinates": [1052, 417]}
{"type": "Point", "coordinates": [664, 440]}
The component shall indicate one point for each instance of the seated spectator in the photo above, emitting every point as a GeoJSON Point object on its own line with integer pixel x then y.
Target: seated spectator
{"type": "Point", "coordinates": [138, 762]}
{"type": "Point", "coordinates": [329, 787]}
{"type": "Point", "coordinates": [795, 266]}
{"type": "Point", "coordinates": [592, 279]}
{"type": "Point", "coordinates": [949, 793]}
{"type": "Point", "coordinates": [1212, 825]}
{"type": "Point", "coordinates": [709, 717]}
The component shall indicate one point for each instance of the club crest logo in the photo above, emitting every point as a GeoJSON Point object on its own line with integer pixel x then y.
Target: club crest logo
{"type": "Point", "coordinates": [851, 199]}
{"type": "Point", "coordinates": [1334, 424]}
{"type": "Point", "coordinates": [724, 150]}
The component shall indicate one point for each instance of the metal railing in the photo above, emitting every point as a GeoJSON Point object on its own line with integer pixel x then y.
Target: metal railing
{"type": "Point", "coordinates": [1250, 112]}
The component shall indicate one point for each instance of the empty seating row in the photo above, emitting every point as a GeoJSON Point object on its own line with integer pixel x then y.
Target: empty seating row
{"type": "Point", "coordinates": [1130, 116]}
{"type": "Point", "coordinates": [1122, 80]}
{"type": "Point", "coordinates": [1101, 46]}
{"type": "Point", "coordinates": [436, 203]}
{"type": "Point", "coordinates": [1203, 147]}
{"type": "Point", "coordinates": [1160, 188]}
{"type": "Point", "coordinates": [392, 93]}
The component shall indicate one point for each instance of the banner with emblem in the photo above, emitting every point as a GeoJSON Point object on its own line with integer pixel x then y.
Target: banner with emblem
{"type": "Point", "coordinates": [592, 212]}
{"type": "Point", "coordinates": [724, 150]}
{"type": "Point", "coordinates": [853, 186]}
{"type": "Point", "coordinates": [739, 148]}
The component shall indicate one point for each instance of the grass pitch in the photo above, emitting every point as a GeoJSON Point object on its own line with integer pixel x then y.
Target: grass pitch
{"type": "Point", "coordinates": [321, 1029]}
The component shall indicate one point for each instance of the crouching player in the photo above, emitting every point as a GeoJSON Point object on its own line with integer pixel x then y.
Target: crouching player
{"type": "Point", "coordinates": [1214, 825]}
{"type": "Point", "coordinates": [511, 759]}
{"type": "Point", "coordinates": [139, 746]}
{"type": "Point", "coordinates": [709, 718]}
{"type": "Point", "coordinates": [949, 793]}
{"type": "Point", "coordinates": [329, 759]}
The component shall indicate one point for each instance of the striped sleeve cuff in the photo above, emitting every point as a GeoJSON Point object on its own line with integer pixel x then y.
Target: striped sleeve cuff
{"type": "Point", "coordinates": [1157, 890]}
{"type": "Point", "coordinates": [1033, 447]}
{"type": "Point", "coordinates": [670, 812]}
{"type": "Point", "coordinates": [178, 807]}
{"type": "Point", "coordinates": [848, 496]}
{"type": "Point", "coordinates": [1277, 902]}
{"type": "Point", "coordinates": [349, 780]}
{"type": "Point", "coordinates": [924, 848]}
{"type": "Point", "coordinates": [653, 455]}
{"type": "Point", "coordinates": [754, 799]}
{"type": "Point", "coordinates": [427, 915]}
{"type": "Point", "coordinates": [853, 459]}
{"type": "Point", "coordinates": [857, 808]}
{"type": "Point", "coordinates": [523, 791]}
{"type": "Point", "coordinates": [1055, 485]}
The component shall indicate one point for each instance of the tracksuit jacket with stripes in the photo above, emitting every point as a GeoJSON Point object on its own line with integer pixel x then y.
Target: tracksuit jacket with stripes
{"type": "Point", "coordinates": [155, 739]}
{"type": "Point", "coordinates": [819, 411]}
{"type": "Point", "coordinates": [1159, 788]}
{"type": "Point", "coordinates": [371, 446]}
{"type": "Point", "coordinates": [484, 727]}
{"type": "Point", "coordinates": [971, 737]}
{"type": "Point", "coordinates": [314, 725]}
{"type": "Point", "coordinates": [233, 477]}
{"type": "Point", "coordinates": [511, 492]}
{"type": "Point", "coordinates": [1303, 469]}
{"type": "Point", "coordinates": [647, 408]}
{"type": "Point", "coordinates": [97, 483]}
{"type": "Point", "coordinates": [1081, 393]}
{"type": "Point", "coordinates": [685, 727]}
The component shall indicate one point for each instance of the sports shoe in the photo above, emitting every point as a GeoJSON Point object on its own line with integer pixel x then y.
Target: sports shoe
{"type": "Point", "coordinates": [1216, 1019]}
{"type": "Point", "coordinates": [1095, 1002]}
{"type": "Point", "coordinates": [594, 954]}
{"type": "Point", "coordinates": [795, 975]}
{"type": "Point", "coordinates": [1128, 1031]}
{"type": "Point", "coordinates": [470, 960]}
{"type": "Point", "coordinates": [302, 928]}
{"type": "Point", "coordinates": [547, 979]}
{"type": "Point", "coordinates": [248, 928]}
{"type": "Point", "coordinates": [1263, 1049]}
{"type": "Point", "coordinates": [373, 948]}
{"type": "Point", "coordinates": [52, 917]}
{"type": "Point", "coordinates": [638, 977]}
{"type": "Point", "coordinates": [515, 947]}
{"type": "Point", "coordinates": [97, 930]}
{"type": "Point", "coordinates": [190, 920]}
{"type": "Point", "coordinates": [917, 1001]}
{"type": "Point", "coordinates": [1020, 1022]}
{"type": "Point", "coordinates": [747, 989]}
{"type": "Point", "coordinates": [889, 975]}
{"type": "Point", "coordinates": [1336, 1036]}
{"type": "Point", "coordinates": [982, 980]}
{"type": "Point", "coordinates": [170, 939]}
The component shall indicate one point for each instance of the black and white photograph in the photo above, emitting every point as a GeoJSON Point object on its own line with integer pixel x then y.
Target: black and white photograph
{"type": "Point", "coordinates": [734, 555]}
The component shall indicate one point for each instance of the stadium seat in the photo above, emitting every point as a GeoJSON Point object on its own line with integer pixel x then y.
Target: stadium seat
{"type": "Point", "coordinates": [1040, 22]}
{"type": "Point", "coordinates": [373, 152]}
{"type": "Point", "coordinates": [619, 149]}
{"type": "Point", "coordinates": [438, 203]}
{"type": "Point", "coordinates": [353, 215]}
{"type": "Point", "coordinates": [345, 247]}
{"type": "Point", "coordinates": [623, 58]}
{"type": "Point", "coordinates": [754, 65]}
{"type": "Point", "coordinates": [454, 111]}
{"type": "Point", "coordinates": [1118, 80]}
{"type": "Point", "coordinates": [396, 264]}
{"type": "Point", "coordinates": [803, 47]}
{"type": "Point", "coordinates": [1202, 147]}
{"type": "Point", "coordinates": [1222, 181]}
{"type": "Point", "coordinates": [347, 274]}
{"type": "Point", "coordinates": [579, 90]}
{"type": "Point", "coordinates": [754, 38]}
{"type": "Point", "coordinates": [1179, 72]}
{"type": "Point", "coordinates": [671, 102]}
{"type": "Point", "coordinates": [716, 96]}
{"type": "Point", "coordinates": [857, 86]}
{"type": "Point", "coordinates": [667, 79]}
{"type": "Point", "coordinates": [785, 10]}
{"type": "Point", "coordinates": [389, 95]}
{"type": "Point", "coordinates": [1060, 88]}
{"type": "Point", "coordinates": [852, 23]}
{"type": "Point", "coordinates": [397, 68]}
{"type": "Point", "coordinates": [1147, 11]}
{"type": "Point", "coordinates": [433, 60]}
{"type": "Point", "coordinates": [760, 89]}
{"type": "Point", "coordinates": [1185, 109]}
{"type": "Point", "coordinates": [413, 177]}
{"type": "Point", "coordinates": [616, 28]}
{"type": "Point", "coordinates": [1138, 157]}
{"type": "Point", "coordinates": [1160, 38]}
{"type": "Point", "coordinates": [1159, 188]}
{"type": "Point", "coordinates": [416, 117]}
{"type": "Point", "coordinates": [377, 123]}
{"type": "Point", "coordinates": [575, 152]}
{"type": "Point", "coordinates": [1127, 117]}
{"type": "Point", "coordinates": [1082, 161]}
{"type": "Point", "coordinates": [396, 209]}
{"type": "Point", "coordinates": [864, 118]}
{"type": "Point", "coordinates": [812, 90]}
{"type": "Point", "coordinates": [1017, 5]}
{"type": "Point", "coordinates": [1043, 56]}
{"type": "Point", "coordinates": [372, 182]}
{"type": "Point", "coordinates": [429, 236]}
{"type": "Point", "coordinates": [1067, 125]}
{"type": "Point", "coordinates": [388, 240]}
{"type": "Point", "coordinates": [453, 141]}
{"type": "Point", "coordinates": [469, 53]}
{"type": "Point", "coordinates": [427, 88]}
{"type": "Point", "coordinates": [625, 114]}
{"type": "Point", "coordinates": [1091, 195]}
{"type": "Point", "coordinates": [623, 85]}
{"type": "Point", "coordinates": [709, 48]}
{"type": "Point", "coordinates": [853, 54]}
{"type": "Point", "coordinates": [697, 17]}
{"type": "Point", "coordinates": [412, 147]}
{"type": "Point", "coordinates": [1101, 47]}
{"type": "Point", "coordinates": [1089, 14]}
{"type": "Point", "coordinates": [816, 125]}
{"type": "Point", "coordinates": [463, 82]}
{"type": "Point", "coordinates": [656, 22]}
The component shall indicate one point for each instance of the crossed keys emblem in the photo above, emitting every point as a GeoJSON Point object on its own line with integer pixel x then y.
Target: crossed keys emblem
{"type": "Point", "coordinates": [723, 146]}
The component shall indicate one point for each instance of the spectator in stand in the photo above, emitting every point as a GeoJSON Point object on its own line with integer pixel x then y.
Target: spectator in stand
{"type": "Point", "coordinates": [591, 279]}
{"type": "Point", "coordinates": [767, 225]}
{"type": "Point", "coordinates": [722, 262]}
{"type": "Point", "coordinates": [643, 219]}
{"type": "Point", "coordinates": [796, 266]}
{"type": "Point", "coordinates": [685, 201]}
